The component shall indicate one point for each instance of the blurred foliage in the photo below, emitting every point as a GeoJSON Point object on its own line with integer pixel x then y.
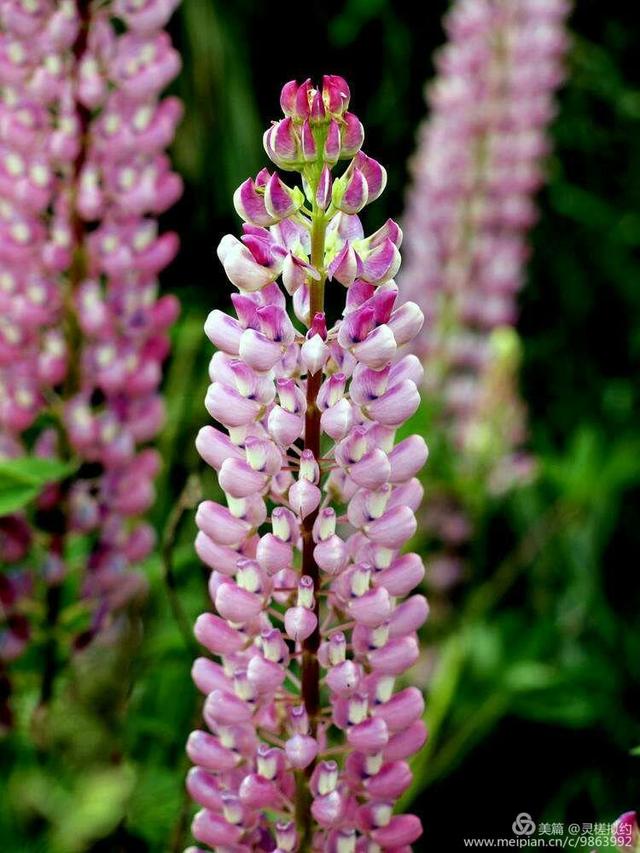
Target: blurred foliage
{"type": "Point", "coordinates": [531, 670]}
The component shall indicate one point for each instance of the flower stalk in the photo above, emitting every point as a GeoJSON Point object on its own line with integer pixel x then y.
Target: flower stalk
{"type": "Point", "coordinates": [306, 742]}
{"type": "Point", "coordinates": [83, 330]}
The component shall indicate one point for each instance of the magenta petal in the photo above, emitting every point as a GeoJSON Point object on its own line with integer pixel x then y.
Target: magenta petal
{"type": "Point", "coordinates": [370, 736]}
{"type": "Point", "coordinates": [203, 788]}
{"type": "Point", "coordinates": [223, 331]}
{"type": "Point", "coordinates": [214, 633]}
{"type": "Point", "coordinates": [239, 479]}
{"type": "Point", "coordinates": [396, 406]}
{"type": "Point", "coordinates": [406, 322]}
{"type": "Point", "coordinates": [219, 557]}
{"type": "Point", "coordinates": [401, 830]}
{"type": "Point", "coordinates": [215, 446]}
{"type": "Point", "coordinates": [301, 750]}
{"type": "Point", "coordinates": [382, 263]}
{"type": "Point", "coordinates": [401, 710]}
{"type": "Point", "coordinates": [258, 793]}
{"type": "Point", "coordinates": [279, 199]}
{"type": "Point", "coordinates": [409, 616]}
{"type": "Point", "coordinates": [215, 830]}
{"type": "Point", "coordinates": [393, 528]}
{"type": "Point", "coordinates": [206, 751]}
{"type": "Point", "coordinates": [352, 135]}
{"type": "Point", "coordinates": [407, 458]}
{"type": "Point", "coordinates": [264, 675]}
{"type": "Point", "coordinates": [218, 523]}
{"type": "Point", "coordinates": [300, 623]}
{"type": "Point", "coordinates": [237, 604]}
{"type": "Point", "coordinates": [406, 742]}
{"type": "Point", "coordinates": [391, 782]}
{"type": "Point", "coordinates": [403, 575]}
{"type": "Point", "coordinates": [328, 809]}
{"type": "Point", "coordinates": [344, 267]}
{"type": "Point", "coordinates": [208, 675]}
{"type": "Point", "coordinates": [371, 609]}
{"type": "Point", "coordinates": [377, 350]}
{"type": "Point", "coordinates": [250, 204]}
{"type": "Point", "coordinates": [396, 656]}
{"type": "Point", "coordinates": [226, 708]}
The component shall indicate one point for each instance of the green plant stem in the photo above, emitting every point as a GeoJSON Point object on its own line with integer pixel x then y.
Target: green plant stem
{"type": "Point", "coordinates": [189, 496]}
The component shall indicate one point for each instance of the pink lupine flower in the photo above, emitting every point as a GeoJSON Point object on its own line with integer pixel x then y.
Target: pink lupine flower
{"type": "Point", "coordinates": [626, 835]}
{"type": "Point", "coordinates": [475, 172]}
{"type": "Point", "coordinates": [83, 177]}
{"type": "Point", "coordinates": [308, 632]}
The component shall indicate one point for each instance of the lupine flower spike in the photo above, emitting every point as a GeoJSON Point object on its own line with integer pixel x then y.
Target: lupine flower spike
{"type": "Point", "coordinates": [307, 735]}
{"type": "Point", "coordinates": [475, 173]}
{"type": "Point", "coordinates": [83, 333]}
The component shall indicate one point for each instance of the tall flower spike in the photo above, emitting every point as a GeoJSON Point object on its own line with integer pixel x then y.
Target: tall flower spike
{"type": "Point", "coordinates": [83, 177]}
{"type": "Point", "coordinates": [308, 634]}
{"type": "Point", "coordinates": [475, 172]}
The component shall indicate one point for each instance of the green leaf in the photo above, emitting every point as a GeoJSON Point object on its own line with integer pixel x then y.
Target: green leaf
{"type": "Point", "coordinates": [14, 496]}
{"type": "Point", "coordinates": [34, 471]}
{"type": "Point", "coordinates": [22, 479]}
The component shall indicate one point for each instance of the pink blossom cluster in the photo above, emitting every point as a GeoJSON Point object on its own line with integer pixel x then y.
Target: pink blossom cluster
{"type": "Point", "coordinates": [307, 734]}
{"type": "Point", "coordinates": [476, 170]}
{"type": "Point", "coordinates": [124, 181]}
{"type": "Point", "coordinates": [83, 332]}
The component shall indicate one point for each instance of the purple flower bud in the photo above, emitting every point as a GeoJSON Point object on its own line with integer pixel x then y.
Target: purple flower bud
{"type": "Point", "coordinates": [301, 750]}
{"type": "Point", "coordinates": [279, 200]}
{"type": "Point", "coordinates": [332, 145]}
{"type": "Point", "coordinates": [204, 789]}
{"type": "Point", "coordinates": [324, 189]}
{"type": "Point", "coordinates": [335, 93]}
{"type": "Point", "coordinates": [214, 830]}
{"type": "Point", "coordinates": [401, 710]}
{"type": "Point", "coordinates": [401, 830]}
{"type": "Point", "coordinates": [329, 809]}
{"type": "Point", "coordinates": [402, 575]}
{"type": "Point", "coordinates": [406, 742]}
{"type": "Point", "coordinates": [350, 193]}
{"type": "Point", "coordinates": [205, 750]}
{"type": "Point", "coordinates": [288, 97]}
{"type": "Point", "coordinates": [226, 708]}
{"type": "Point", "coordinates": [237, 604]}
{"type": "Point", "coordinates": [391, 782]}
{"type": "Point", "coordinates": [258, 793]}
{"type": "Point", "coordinates": [300, 623]}
{"type": "Point", "coordinates": [395, 657]}
{"type": "Point", "coordinates": [409, 616]}
{"type": "Point", "coordinates": [240, 480]}
{"type": "Point", "coordinates": [249, 203]}
{"type": "Point", "coordinates": [352, 135]}
{"type": "Point", "coordinates": [286, 836]}
{"type": "Point", "coordinates": [282, 144]}
{"type": "Point", "coordinates": [396, 405]}
{"type": "Point", "coordinates": [371, 609]}
{"type": "Point", "coordinates": [370, 736]}
{"type": "Point", "coordinates": [214, 633]}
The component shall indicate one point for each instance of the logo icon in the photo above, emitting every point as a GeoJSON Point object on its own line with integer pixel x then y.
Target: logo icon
{"type": "Point", "coordinates": [524, 824]}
